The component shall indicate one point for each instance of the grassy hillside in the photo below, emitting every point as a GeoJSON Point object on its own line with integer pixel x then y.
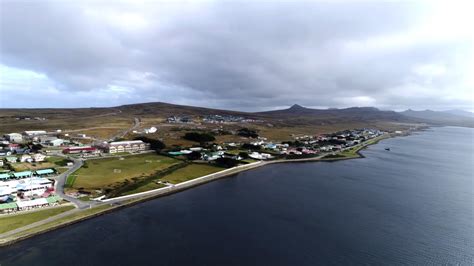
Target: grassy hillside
{"type": "Point", "coordinates": [103, 123]}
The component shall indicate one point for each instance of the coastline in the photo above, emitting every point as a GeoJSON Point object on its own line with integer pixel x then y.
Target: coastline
{"type": "Point", "coordinates": [113, 204]}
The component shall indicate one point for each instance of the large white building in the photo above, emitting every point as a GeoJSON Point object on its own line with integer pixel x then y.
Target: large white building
{"type": "Point", "coordinates": [34, 133]}
{"type": "Point", "coordinates": [127, 146]}
{"type": "Point", "coordinates": [51, 141]}
{"type": "Point", "coordinates": [31, 186]}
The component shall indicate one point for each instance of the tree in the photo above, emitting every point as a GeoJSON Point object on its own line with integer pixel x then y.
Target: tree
{"type": "Point", "coordinates": [199, 137]}
{"type": "Point", "coordinates": [227, 162]}
{"type": "Point", "coordinates": [195, 155]}
{"type": "Point", "coordinates": [249, 146]}
{"type": "Point", "coordinates": [154, 143]}
{"type": "Point", "coordinates": [244, 155]}
{"type": "Point", "coordinates": [248, 133]}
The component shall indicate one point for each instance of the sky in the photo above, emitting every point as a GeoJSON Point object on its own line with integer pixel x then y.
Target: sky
{"type": "Point", "coordinates": [240, 55]}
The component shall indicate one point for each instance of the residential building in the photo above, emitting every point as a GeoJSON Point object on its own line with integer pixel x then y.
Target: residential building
{"type": "Point", "coordinates": [260, 156]}
{"type": "Point", "coordinates": [127, 146]}
{"type": "Point", "coordinates": [84, 149]}
{"type": "Point", "coordinates": [26, 158]}
{"type": "Point", "coordinates": [14, 137]}
{"type": "Point", "coordinates": [5, 152]}
{"type": "Point", "coordinates": [38, 157]}
{"type": "Point", "coordinates": [55, 142]}
{"type": "Point", "coordinates": [34, 133]}
{"type": "Point", "coordinates": [11, 159]}
{"type": "Point", "coordinates": [45, 172]}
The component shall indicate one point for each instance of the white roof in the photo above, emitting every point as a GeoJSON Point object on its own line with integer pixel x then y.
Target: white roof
{"type": "Point", "coordinates": [31, 203]}
{"type": "Point", "coordinates": [33, 132]}
{"type": "Point", "coordinates": [126, 142]}
{"type": "Point", "coordinates": [25, 182]}
{"type": "Point", "coordinates": [6, 190]}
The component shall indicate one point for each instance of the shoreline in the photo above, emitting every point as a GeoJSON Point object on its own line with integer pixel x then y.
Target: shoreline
{"type": "Point", "coordinates": [121, 202]}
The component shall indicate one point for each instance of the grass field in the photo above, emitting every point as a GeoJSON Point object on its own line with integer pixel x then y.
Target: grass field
{"type": "Point", "coordinates": [11, 222]}
{"type": "Point", "coordinates": [18, 167]}
{"type": "Point", "coordinates": [101, 173]}
{"type": "Point", "coordinates": [190, 172]}
{"type": "Point", "coordinates": [146, 187]}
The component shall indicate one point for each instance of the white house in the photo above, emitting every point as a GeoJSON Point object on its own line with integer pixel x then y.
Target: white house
{"type": "Point", "coordinates": [150, 130]}
{"type": "Point", "coordinates": [260, 156]}
{"type": "Point", "coordinates": [26, 158]}
{"type": "Point", "coordinates": [38, 157]}
{"type": "Point", "coordinates": [14, 137]}
{"type": "Point", "coordinates": [55, 142]}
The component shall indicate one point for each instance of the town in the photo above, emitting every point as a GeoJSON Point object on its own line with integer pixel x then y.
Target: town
{"type": "Point", "coordinates": [32, 161]}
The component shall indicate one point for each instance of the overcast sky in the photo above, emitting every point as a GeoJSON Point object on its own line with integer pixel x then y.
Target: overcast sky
{"type": "Point", "coordinates": [244, 55]}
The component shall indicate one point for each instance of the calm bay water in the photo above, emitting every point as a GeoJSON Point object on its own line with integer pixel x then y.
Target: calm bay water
{"type": "Point", "coordinates": [411, 205]}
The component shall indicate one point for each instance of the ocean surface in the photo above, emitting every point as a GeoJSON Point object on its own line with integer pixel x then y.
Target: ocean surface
{"type": "Point", "coordinates": [412, 205]}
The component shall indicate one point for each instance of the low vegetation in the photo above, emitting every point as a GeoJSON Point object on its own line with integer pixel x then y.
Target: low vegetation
{"type": "Point", "coordinates": [248, 133]}
{"type": "Point", "coordinates": [190, 172]}
{"type": "Point", "coordinates": [199, 137]}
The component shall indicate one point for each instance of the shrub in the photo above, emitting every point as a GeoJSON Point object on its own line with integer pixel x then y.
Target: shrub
{"type": "Point", "coordinates": [154, 143]}
{"type": "Point", "coordinates": [248, 133]}
{"type": "Point", "coordinates": [227, 162]}
{"type": "Point", "coordinates": [199, 137]}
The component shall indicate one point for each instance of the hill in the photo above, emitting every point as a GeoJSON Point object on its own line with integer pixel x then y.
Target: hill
{"type": "Point", "coordinates": [105, 122]}
{"type": "Point", "coordinates": [440, 118]}
{"type": "Point", "coordinates": [460, 113]}
{"type": "Point", "coordinates": [335, 115]}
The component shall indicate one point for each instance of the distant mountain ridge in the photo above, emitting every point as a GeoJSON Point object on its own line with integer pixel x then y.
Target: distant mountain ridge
{"type": "Point", "coordinates": [460, 113]}
{"type": "Point", "coordinates": [441, 117]}
{"type": "Point", "coordinates": [294, 115]}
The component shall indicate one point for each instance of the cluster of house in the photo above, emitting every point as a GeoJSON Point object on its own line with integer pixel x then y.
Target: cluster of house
{"type": "Point", "coordinates": [228, 119]}
{"type": "Point", "coordinates": [12, 154]}
{"type": "Point", "coordinates": [30, 118]}
{"type": "Point", "coordinates": [328, 142]}
{"type": "Point", "coordinates": [179, 119]}
{"type": "Point", "coordinates": [14, 144]}
{"type": "Point", "coordinates": [261, 149]}
{"type": "Point", "coordinates": [25, 190]}
{"type": "Point", "coordinates": [213, 119]}
{"type": "Point", "coordinates": [222, 118]}
{"type": "Point", "coordinates": [39, 136]}
{"type": "Point", "coordinates": [150, 130]}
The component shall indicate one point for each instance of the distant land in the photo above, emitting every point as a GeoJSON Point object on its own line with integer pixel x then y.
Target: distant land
{"type": "Point", "coordinates": [105, 122]}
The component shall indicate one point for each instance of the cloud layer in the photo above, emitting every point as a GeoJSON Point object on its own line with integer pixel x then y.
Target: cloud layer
{"type": "Point", "coordinates": [239, 55]}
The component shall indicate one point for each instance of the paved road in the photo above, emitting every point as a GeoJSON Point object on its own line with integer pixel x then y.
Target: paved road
{"type": "Point", "coordinates": [136, 125]}
{"type": "Point", "coordinates": [61, 180]}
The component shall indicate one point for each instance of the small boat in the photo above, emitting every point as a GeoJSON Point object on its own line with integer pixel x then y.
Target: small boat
{"type": "Point", "coordinates": [387, 149]}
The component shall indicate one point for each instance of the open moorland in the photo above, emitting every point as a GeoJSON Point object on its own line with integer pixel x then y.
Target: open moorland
{"type": "Point", "coordinates": [99, 124]}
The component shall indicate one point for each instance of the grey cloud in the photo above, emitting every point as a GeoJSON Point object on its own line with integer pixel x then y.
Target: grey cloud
{"type": "Point", "coordinates": [239, 55]}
